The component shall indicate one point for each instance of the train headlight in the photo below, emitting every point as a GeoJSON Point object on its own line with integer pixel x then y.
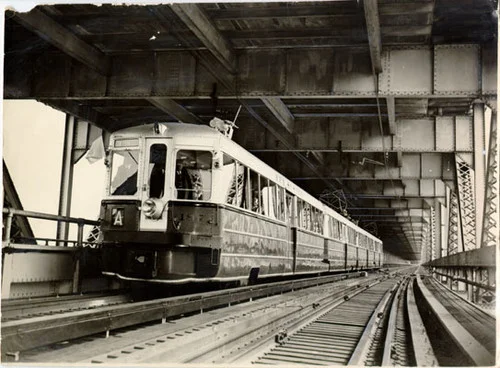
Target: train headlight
{"type": "Point", "coordinates": [153, 208]}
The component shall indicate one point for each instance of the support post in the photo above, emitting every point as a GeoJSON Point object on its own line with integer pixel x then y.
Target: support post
{"type": "Point", "coordinates": [437, 229]}
{"type": "Point", "coordinates": [66, 187]}
{"type": "Point", "coordinates": [489, 233]}
{"type": "Point", "coordinates": [479, 167]}
{"type": "Point", "coordinates": [470, 277]}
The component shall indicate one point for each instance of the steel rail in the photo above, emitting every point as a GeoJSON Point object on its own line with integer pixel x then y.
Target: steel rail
{"type": "Point", "coordinates": [40, 331]}
{"type": "Point", "coordinates": [315, 310]}
{"type": "Point", "coordinates": [422, 348]}
{"type": "Point", "coordinates": [214, 344]}
{"type": "Point", "coordinates": [472, 348]}
{"type": "Point", "coordinates": [360, 352]}
{"type": "Point", "coordinates": [23, 308]}
{"type": "Point", "coordinates": [391, 326]}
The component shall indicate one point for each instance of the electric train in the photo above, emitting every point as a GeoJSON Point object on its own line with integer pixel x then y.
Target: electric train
{"type": "Point", "coordinates": [184, 203]}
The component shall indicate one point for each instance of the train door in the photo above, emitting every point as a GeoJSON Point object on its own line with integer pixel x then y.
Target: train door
{"type": "Point", "coordinates": [154, 185]}
{"type": "Point", "coordinates": [292, 227]}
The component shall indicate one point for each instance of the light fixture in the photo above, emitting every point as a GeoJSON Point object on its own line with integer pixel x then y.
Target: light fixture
{"type": "Point", "coordinates": [153, 208]}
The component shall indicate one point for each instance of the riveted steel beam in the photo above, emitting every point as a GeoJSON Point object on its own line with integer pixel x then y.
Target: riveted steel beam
{"type": "Point", "coordinates": [373, 29]}
{"type": "Point", "coordinates": [391, 113]}
{"type": "Point", "coordinates": [200, 24]}
{"type": "Point", "coordinates": [479, 166]}
{"type": "Point", "coordinates": [51, 31]}
{"type": "Point", "coordinates": [481, 257]}
{"type": "Point", "coordinates": [293, 73]}
{"type": "Point", "coordinates": [330, 135]}
{"type": "Point", "coordinates": [280, 111]}
{"type": "Point", "coordinates": [175, 110]}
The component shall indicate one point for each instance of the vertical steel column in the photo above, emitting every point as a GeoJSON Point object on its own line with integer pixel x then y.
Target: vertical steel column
{"type": "Point", "coordinates": [489, 233]}
{"type": "Point", "coordinates": [479, 168]}
{"type": "Point", "coordinates": [469, 275]}
{"type": "Point", "coordinates": [436, 230]}
{"type": "Point", "coordinates": [66, 179]}
{"type": "Point", "coordinates": [466, 204]}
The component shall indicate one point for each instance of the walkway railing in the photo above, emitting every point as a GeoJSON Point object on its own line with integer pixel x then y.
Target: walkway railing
{"type": "Point", "coordinates": [9, 214]}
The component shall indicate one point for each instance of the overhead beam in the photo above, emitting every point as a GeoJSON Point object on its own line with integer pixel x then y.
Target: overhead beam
{"type": "Point", "coordinates": [199, 23]}
{"type": "Point", "coordinates": [263, 72]}
{"type": "Point", "coordinates": [433, 134]}
{"type": "Point", "coordinates": [84, 112]}
{"type": "Point", "coordinates": [373, 29]}
{"type": "Point", "coordinates": [51, 31]}
{"type": "Point", "coordinates": [280, 111]}
{"type": "Point", "coordinates": [175, 110]}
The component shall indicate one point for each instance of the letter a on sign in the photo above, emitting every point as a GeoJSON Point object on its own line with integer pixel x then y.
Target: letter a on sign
{"type": "Point", "coordinates": [117, 215]}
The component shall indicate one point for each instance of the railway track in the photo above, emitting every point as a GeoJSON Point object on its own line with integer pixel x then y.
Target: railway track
{"type": "Point", "coordinates": [17, 309]}
{"type": "Point", "coordinates": [232, 334]}
{"type": "Point", "coordinates": [51, 321]}
{"type": "Point", "coordinates": [368, 321]}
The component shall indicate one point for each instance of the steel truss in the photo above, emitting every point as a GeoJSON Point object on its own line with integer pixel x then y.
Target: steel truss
{"type": "Point", "coordinates": [465, 177]}
{"type": "Point", "coordinates": [454, 228]}
{"type": "Point", "coordinates": [489, 235]}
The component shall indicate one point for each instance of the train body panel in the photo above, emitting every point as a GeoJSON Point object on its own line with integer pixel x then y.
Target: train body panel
{"type": "Point", "coordinates": [184, 203]}
{"type": "Point", "coordinates": [253, 242]}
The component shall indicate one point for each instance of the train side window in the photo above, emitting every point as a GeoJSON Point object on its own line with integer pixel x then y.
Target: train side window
{"type": "Point", "coordinates": [289, 210]}
{"type": "Point", "coordinates": [227, 178]}
{"type": "Point", "coordinates": [233, 178]}
{"type": "Point", "coordinates": [241, 183]}
{"type": "Point", "coordinates": [255, 198]}
{"type": "Point", "coordinates": [300, 213]}
{"type": "Point", "coordinates": [321, 221]}
{"type": "Point", "coordinates": [306, 220]}
{"type": "Point", "coordinates": [193, 175]}
{"type": "Point", "coordinates": [156, 169]}
{"type": "Point", "coordinates": [281, 204]}
{"type": "Point", "coordinates": [269, 198]}
{"type": "Point", "coordinates": [265, 195]}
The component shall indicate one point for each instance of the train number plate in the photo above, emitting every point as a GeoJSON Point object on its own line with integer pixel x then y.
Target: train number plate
{"type": "Point", "coordinates": [117, 216]}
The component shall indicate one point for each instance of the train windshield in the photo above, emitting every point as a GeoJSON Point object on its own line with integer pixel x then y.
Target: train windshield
{"type": "Point", "coordinates": [124, 166]}
{"type": "Point", "coordinates": [193, 175]}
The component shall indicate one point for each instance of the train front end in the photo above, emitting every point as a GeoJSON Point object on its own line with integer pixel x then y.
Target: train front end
{"type": "Point", "coordinates": [157, 219]}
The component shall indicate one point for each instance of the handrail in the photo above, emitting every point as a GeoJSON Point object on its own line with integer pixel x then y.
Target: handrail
{"type": "Point", "coordinates": [47, 216]}
{"type": "Point", "coordinates": [11, 212]}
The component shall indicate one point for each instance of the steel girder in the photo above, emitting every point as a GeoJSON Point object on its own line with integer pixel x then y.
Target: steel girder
{"type": "Point", "coordinates": [419, 71]}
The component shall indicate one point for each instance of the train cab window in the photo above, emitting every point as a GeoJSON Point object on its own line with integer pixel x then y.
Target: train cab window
{"type": "Point", "coordinates": [193, 175]}
{"type": "Point", "coordinates": [124, 166]}
{"type": "Point", "coordinates": [156, 170]}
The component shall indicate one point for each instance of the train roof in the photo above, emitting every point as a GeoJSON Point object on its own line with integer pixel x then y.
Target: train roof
{"type": "Point", "coordinates": [168, 130]}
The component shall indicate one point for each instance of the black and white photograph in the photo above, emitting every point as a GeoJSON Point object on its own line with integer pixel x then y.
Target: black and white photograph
{"type": "Point", "coordinates": [249, 183]}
